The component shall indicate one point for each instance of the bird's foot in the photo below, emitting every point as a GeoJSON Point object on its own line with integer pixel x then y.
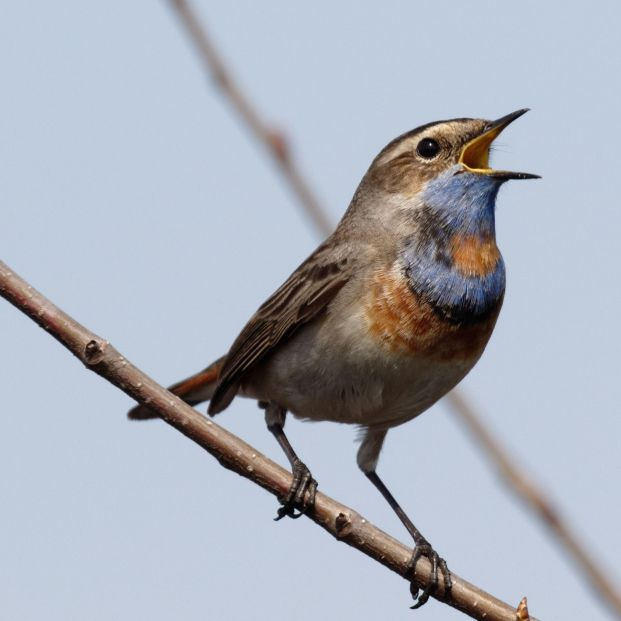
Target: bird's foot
{"type": "Point", "coordinates": [301, 494]}
{"type": "Point", "coordinates": [423, 548]}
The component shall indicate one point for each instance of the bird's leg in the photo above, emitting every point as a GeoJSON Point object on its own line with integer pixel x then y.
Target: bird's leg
{"type": "Point", "coordinates": [367, 462]}
{"type": "Point", "coordinates": [301, 494]}
{"type": "Point", "coordinates": [422, 548]}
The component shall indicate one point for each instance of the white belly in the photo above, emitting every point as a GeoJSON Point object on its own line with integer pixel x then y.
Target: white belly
{"type": "Point", "coordinates": [352, 380]}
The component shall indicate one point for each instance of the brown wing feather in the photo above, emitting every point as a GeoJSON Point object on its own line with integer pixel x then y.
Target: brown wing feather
{"type": "Point", "coordinates": [303, 296]}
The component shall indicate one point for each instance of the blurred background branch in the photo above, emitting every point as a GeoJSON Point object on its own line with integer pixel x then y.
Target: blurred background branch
{"type": "Point", "coordinates": [277, 145]}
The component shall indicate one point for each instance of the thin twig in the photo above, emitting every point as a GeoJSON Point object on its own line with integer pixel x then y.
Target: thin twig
{"type": "Point", "coordinates": [273, 140]}
{"type": "Point", "coordinates": [340, 521]}
{"type": "Point", "coordinates": [276, 144]}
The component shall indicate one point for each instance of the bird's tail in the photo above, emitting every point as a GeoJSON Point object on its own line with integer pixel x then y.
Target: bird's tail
{"type": "Point", "coordinates": [193, 390]}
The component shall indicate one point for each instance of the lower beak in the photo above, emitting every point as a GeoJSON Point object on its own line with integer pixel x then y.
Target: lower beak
{"type": "Point", "coordinates": [475, 154]}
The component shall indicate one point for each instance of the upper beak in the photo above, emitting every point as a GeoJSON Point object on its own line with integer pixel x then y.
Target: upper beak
{"type": "Point", "coordinates": [475, 154]}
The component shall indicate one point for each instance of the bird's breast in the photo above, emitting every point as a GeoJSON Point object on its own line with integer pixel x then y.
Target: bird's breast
{"type": "Point", "coordinates": [474, 255]}
{"type": "Point", "coordinates": [402, 321]}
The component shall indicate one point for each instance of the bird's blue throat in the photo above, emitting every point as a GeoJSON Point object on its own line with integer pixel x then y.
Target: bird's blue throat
{"type": "Point", "coordinates": [452, 261]}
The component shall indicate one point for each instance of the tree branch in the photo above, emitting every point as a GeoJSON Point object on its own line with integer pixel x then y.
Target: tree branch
{"type": "Point", "coordinates": [340, 521]}
{"type": "Point", "coordinates": [276, 144]}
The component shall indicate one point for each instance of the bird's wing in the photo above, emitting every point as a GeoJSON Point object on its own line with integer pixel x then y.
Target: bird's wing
{"type": "Point", "coordinates": [304, 295]}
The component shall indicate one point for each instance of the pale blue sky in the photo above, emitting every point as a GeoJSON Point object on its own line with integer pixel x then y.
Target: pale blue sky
{"type": "Point", "coordinates": [130, 195]}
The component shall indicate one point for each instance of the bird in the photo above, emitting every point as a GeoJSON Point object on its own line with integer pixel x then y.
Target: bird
{"type": "Point", "coordinates": [385, 317]}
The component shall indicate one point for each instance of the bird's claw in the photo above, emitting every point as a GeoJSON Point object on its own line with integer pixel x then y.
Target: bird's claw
{"type": "Point", "coordinates": [438, 564]}
{"type": "Point", "coordinates": [301, 494]}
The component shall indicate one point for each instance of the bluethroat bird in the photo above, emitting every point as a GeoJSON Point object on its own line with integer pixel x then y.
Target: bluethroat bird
{"type": "Point", "coordinates": [386, 316]}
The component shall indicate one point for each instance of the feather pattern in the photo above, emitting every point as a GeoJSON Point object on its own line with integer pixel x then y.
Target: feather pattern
{"type": "Point", "coordinates": [303, 296]}
{"type": "Point", "coordinates": [452, 261]}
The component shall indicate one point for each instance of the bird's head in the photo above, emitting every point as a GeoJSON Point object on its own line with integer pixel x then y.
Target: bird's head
{"type": "Point", "coordinates": [458, 146]}
{"type": "Point", "coordinates": [442, 167]}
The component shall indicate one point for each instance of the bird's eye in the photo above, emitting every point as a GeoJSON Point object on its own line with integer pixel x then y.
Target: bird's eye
{"type": "Point", "coordinates": [428, 148]}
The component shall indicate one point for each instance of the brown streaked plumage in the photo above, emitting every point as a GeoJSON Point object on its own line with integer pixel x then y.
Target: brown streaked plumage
{"type": "Point", "coordinates": [301, 298]}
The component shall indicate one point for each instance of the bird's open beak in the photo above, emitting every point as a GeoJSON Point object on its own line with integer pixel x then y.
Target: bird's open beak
{"type": "Point", "coordinates": [475, 154]}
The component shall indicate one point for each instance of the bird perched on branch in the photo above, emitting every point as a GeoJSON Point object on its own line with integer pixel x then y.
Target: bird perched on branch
{"type": "Point", "coordinates": [386, 316]}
